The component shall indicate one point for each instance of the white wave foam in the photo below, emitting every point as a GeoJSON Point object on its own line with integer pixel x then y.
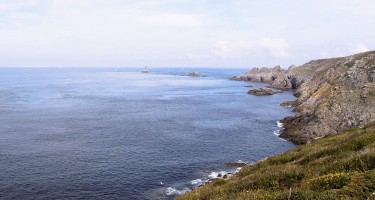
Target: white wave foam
{"type": "Point", "coordinates": [279, 124]}
{"type": "Point", "coordinates": [173, 191]}
{"type": "Point", "coordinates": [277, 132]}
{"type": "Point", "coordinates": [238, 169]}
{"type": "Point", "coordinates": [198, 182]}
{"type": "Point", "coordinates": [214, 175]}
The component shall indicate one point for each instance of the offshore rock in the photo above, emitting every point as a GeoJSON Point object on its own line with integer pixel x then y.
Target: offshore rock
{"type": "Point", "coordinates": [261, 91]}
{"type": "Point", "coordinates": [195, 74]}
{"type": "Point", "coordinates": [235, 164]}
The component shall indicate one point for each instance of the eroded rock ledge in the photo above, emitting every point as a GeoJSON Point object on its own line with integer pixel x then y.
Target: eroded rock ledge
{"type": "Point", "coordinates": [333, 94]}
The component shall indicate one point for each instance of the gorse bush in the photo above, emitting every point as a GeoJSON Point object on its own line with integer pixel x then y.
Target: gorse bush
{"type": "Point", "coordinates": [341, 166]}
{"type": "Point", "coordinates": [329, 181]}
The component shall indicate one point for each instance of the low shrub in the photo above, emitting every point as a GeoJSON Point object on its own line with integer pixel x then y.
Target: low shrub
{"type": "Point", "coordinates": [218, 182]}
{"type": "Point", "coordinates": [328, 182]}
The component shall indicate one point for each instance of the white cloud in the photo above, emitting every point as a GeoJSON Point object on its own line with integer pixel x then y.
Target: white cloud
{"type": "Point", "coordinates": [230, 49]}
{"type": "Point", "coordinates": [341, 51]}
{"type": "Point", "coordinates": [358, 48]}
{"type": "Point", "coordinates": [6, 6]}
{"type": "Point", "coordinates": [171, 20]}
{"type": "Point", "coordinates": [178, 31]}
{"type": "Point", "coordinates": [12, 5]}
{"type": "Point", "coordinates": [275, 47]}
{"type": "Point", "coordinates": [332, 53]}
{"type": "Point", "coordinates": [80, 30]}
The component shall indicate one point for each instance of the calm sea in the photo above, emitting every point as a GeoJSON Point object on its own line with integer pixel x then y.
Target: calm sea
{"type": "Point", "coordinates": [120, 134]}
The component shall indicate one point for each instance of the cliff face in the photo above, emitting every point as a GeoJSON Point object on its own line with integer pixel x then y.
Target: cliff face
{"type": "Point", "coordinates": [333, 95]}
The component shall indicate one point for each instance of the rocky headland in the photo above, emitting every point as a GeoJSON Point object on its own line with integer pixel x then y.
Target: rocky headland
{"type": "Point", "coordinates": [336, 97]}
{"type": "Point", "coordinates": [333, 94]}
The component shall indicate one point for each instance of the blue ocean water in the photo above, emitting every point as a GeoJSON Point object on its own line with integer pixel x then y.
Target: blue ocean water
{"type": "Point", "coordinates": [119, 134]}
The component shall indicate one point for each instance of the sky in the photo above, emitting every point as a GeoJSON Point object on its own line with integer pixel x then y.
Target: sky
{"type": "Point", "coordinates": [182, 33]}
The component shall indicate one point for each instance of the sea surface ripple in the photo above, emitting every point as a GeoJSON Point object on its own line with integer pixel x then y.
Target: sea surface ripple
{"type": "Point", "coordinates": [119, 134]}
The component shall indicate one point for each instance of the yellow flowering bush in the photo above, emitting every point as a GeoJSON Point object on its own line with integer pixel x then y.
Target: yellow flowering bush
{"type": "Point", "coordinates": [329, 181]}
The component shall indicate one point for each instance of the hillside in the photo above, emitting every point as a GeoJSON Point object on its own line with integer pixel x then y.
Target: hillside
{"type": "Point", "coordinates": [333, 94]}
{"type": "Point", "coordinates": [339, 166]}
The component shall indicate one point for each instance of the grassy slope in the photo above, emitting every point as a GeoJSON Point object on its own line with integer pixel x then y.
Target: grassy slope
{"type": "Point", "coordinates": [335, 167]}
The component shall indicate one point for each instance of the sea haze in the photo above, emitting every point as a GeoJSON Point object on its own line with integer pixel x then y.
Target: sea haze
{"type": "Point", "coordinates": [121, 134]}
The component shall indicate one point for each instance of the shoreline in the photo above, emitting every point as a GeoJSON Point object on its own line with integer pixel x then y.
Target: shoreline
{"type": "Point", "coordinates": [333, 96]}
{"type": "Point", "coordinates": [228, 174]}
{"type": "Point", "coordinates": [224, 175]}
{"type": "Point", "coordinates": [305, 172]}
{"type": "Point", "coordinates": [290, 104]}
{"type": "Point", "coordinates": [202, 181]}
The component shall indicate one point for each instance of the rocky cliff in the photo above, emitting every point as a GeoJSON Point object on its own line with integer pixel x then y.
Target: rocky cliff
{"type": "Point", "coordinates": [333, 94]}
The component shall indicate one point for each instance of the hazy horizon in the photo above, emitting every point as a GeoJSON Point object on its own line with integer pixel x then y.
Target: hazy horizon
{"type": "Point", "coordinates": [181, 33]}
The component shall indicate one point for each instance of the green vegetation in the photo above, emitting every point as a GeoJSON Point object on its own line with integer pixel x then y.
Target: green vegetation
{"type": "Point", "coordinates": [335, 167]}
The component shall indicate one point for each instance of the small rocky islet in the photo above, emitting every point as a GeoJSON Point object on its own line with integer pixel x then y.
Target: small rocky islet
{"type": "Point", "coordinates": [261, 91]}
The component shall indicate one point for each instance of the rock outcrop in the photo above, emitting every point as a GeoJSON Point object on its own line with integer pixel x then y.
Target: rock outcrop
{"type": "Point", "coordinates": [261, 91]}
{"type": "Point", "coordinates": [333, 94]}
{"type": "Point", "coordinates": [276, 76]}
{"type": "Point", "coordinates": [195, 74]}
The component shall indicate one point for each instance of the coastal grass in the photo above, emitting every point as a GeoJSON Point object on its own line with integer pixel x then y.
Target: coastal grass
{"type": "Point", "coordinates": [340, 166]}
